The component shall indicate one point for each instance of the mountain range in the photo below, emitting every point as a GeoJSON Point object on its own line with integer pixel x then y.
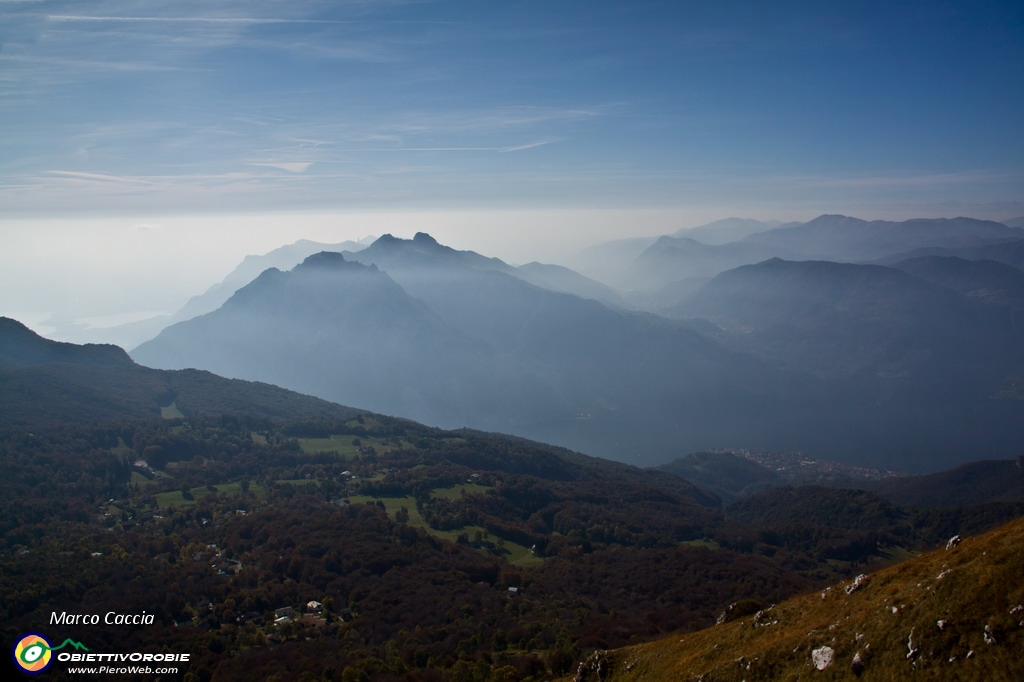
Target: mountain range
{"type": "Point", "coordinates": [474, 346]}
{"type": "Point", "coordinates": [838, 237]}
{"type": "Point", "coordinates": [780, 354]}
{"type": "Point", "coordinates": [845, 319]}
{"type": "Point", "coordinates": [828, 237]}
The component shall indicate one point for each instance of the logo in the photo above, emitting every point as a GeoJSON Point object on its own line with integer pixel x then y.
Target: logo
{"type": "Point", "coordinates": [33, 652]}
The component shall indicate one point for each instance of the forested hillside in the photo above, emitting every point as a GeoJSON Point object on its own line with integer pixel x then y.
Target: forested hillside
{"type": "Point", "coordinates": [434, 554]}
{"type": "Point", "coordinates": [270, 534]}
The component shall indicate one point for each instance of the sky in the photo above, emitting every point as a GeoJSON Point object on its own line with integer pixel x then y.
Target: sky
{"type": "Point", "coordinates": [146, 147]}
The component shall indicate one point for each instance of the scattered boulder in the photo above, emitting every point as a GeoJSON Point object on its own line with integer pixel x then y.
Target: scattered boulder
{"type": "Point", "coordinates": [912, 651]}
{"type": "Point", "coordinates": [857, 665]}
{"type": "Point", "coordinates": [596, 667]}
{"type": "Point", "coordinates": [822, 657]}
{"type": "Point", "coordinates": [857, 583]}
{"type": "Point", "coordinates": [953, 542]}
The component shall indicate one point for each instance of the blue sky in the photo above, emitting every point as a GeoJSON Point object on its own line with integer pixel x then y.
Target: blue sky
{"type": "Point", "coordinates": [114, 106]}
{"type": "Point", "coordinates": [150, 113]}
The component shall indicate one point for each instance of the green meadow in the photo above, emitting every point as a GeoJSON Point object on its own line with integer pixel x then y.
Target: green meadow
{"type": "Point", "coordinates": [176, 498]}
{"type": "Point", "coordinates": [513, 552]}
{"type": "Point", "coordinates": [346, 447]}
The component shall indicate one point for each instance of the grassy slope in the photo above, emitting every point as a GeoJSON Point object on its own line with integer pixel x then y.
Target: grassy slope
{"type": "Point", "coordinates": [972, 586]}
{"type": "Point", "coordinates": [512, 552]}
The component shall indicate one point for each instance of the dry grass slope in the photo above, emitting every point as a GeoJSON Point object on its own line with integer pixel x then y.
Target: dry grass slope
{"type": "Point", "coordinates": [952, 614]}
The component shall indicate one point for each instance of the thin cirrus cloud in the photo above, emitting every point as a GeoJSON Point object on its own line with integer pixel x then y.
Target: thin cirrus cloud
{"type": "Point", "coordinates": [178, 40]}
{"type": "Point", "coordinates": [64, 64]}
{"type": "Point", "coordinates": [665, 100]}
{"type": "Point", "coordinates": [493, 118]}
{"type": "Point", "coordinates": [102, 177]}
{"type": "Point", "coordinates": [189, 20]}
{"type": "Point", "coordinates": [290, 166]}
{"type": "Point", "coordinates": [503, 150]}
{"type": "Point", "coordinates": [192, 137]}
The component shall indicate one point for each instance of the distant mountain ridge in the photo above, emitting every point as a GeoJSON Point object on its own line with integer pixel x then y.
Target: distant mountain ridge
{"type": "Point", "coordinates": [684, 254]}
{"type": "Point", "coordinates": [613, 262]}
{"type": "Point", "coordinates": [565, 281]}
{"type": "Point", "coordinates": [727, 230]}
{"type": "Point", "coordinates": [131, 334]}
{"type": "Point", "coordinates": [984, 280]}
{"type": "Point", "coordinates": [1010, 253]}
{"type": "Point", "coordinates": [283, 258]}
{"type": "Point", "coordinates": [831, 317]}
{"type": "Point", "coordinates": [415, 257]}
{"type": "Point", "coordinates": [671, 259]}
{"type": "Point", "coordinates": [478, 347]}
{"type": "Point", "coordinates": [837, 237]}
{"type": "Point", "coordinates": [329, 327]}
{"type": "Point", "coordinates": [804, 354]}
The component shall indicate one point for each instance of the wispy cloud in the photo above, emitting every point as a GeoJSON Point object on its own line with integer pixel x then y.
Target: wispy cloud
{"type": "Point", "coordinates": [290, 166]}
{"type": "Point", "coordinates": [190, 20]}
{"type": "Point", "coordinates": [391, 150]}
{"type": "Point", "coordinates": [102, 177]}
{"type": "Point", "coordinates": [491, 119]}
{"type": "Point", "coordinates": [503, 150]}
{"type": "Point", "coordinates": [230, 176]}
{"type": "Point", "coordinates": [529, 145]}
{"type": "Point", "coordinates": [66, 64]}
{"type": "Point", "coordinates": [320, 100]}
{"type": "Point", "coordinates": [51, 50]}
